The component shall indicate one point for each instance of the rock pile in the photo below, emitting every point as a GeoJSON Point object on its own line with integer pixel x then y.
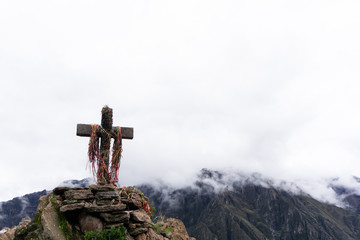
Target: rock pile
{"type": "Point", "coordinates": [68, 213]}
{"type": "Point", "coordinates": [102, 206]}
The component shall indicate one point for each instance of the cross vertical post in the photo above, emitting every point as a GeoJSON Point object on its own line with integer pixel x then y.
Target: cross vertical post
{"type": "Point", "coordinates": [106, 124]}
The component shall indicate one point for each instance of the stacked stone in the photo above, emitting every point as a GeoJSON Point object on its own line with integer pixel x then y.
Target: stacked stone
{"type": "Point", "coordinates": [99, 207]}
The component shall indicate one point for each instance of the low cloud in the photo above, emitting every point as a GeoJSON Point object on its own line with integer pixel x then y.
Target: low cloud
{"type": "Point", "coordinates": [24, 204]}
{"type": "Point", "coordinates": [209, 182]}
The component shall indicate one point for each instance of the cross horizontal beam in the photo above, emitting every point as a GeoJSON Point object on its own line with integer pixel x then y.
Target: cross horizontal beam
{"type": "Point", "coordinates": [84, 130]}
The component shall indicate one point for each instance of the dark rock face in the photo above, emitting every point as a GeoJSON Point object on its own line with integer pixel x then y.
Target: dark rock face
{"type": "Point", "coordinates": [254, 212]}
{"type": "Point", "coordinates": [354, 202]}
{"type": "Point", "coordinates": [11, 212]}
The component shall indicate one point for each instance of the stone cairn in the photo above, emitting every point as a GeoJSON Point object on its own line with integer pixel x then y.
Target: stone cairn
{"type": "Point", "coordinates": [98, 207]}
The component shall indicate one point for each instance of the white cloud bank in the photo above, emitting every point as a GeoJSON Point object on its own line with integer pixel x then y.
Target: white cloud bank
{"type": "Point", "coordinates": [259, 86]}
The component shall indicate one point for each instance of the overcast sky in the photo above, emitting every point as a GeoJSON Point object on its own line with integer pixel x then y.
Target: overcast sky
{"type": "Point", "coordinates": [253, 86]}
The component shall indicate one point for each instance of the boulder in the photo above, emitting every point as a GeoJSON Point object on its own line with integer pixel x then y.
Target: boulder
{"type": "Point", "coordinates": [137, 231]}
{"type": "Point", "coordinates": [152, 235]}
{"type": "Point", "coordinates": [140, 216]}
{"type": "Point", "coordinates": [141, 236]}
{"type": "Point", "coordinates": [90, 223]}
{"type": "Point", "coordinates": [50, 223]}
{"type": "Point", "coordinates": [7, 233]}
{"type": "Point", "coordinates": [178, 230]}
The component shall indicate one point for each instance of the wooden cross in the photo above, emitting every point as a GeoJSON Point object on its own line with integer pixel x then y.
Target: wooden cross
{"type": "Point", "coordinates": [105, 132]}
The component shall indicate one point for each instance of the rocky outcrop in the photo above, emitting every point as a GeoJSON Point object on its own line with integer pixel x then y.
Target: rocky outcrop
{"type": "Point", "coordinates": [9, 233]}
{"type": "Point", "coordinates": [70, 213]}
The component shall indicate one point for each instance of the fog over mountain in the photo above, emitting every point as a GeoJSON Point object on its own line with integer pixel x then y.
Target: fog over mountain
{"type": "Point", "coordinates": [252, 207]}
{"type": "Point", "coordinates": [233, 205]}
{"type": "Point", "coordinates": [332, 191]}
{"type": "Point", "coordinates": [268, 87]}
{"type": "Point", "coordinates": [207, 183]}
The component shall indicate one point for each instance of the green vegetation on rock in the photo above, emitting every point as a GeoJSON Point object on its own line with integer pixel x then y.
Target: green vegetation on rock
{"type": "Point", "coordinates": [107, 234]}
{"type": "Point", "coordinates": [163, 229]}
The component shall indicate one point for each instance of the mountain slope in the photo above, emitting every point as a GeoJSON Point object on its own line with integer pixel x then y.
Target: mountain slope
{"type": "Point", "coordinates": [12, 211]}
{"type": "Point", "coordinates": [251, 211]}
{"type": "Point", "coordinates": [254, 212]}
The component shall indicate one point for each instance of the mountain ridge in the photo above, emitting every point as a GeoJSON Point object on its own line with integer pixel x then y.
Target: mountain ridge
{"type": "Point", "coordinates": [253, 208]}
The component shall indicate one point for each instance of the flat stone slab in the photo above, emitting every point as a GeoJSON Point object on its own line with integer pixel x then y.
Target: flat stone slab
{"type": "Point", "coordinates": [107, 202]}
{"type": "Point", "coordinates": [79, 195]}
{"type": "Point", "coordinates": [66, 202]}
{"type": "Point", "coordinates": [102, 188]}
{"type": "Point", "coordinates": [72, 207]}
{"type": "Point", "coordinates": [122, 217]}
{"type": "Point", "coordinates": [105, 208]}
{"type": "Point", "coordinates": [107, 195]}
{"type": "Point", "coordinates": [60, 190]}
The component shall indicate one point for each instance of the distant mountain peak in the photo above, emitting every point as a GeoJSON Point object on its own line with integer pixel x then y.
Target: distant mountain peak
{"type": "Point", "coordinates": [77, 183]}
{"type": "Point", "coordinates": [210, 174]}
